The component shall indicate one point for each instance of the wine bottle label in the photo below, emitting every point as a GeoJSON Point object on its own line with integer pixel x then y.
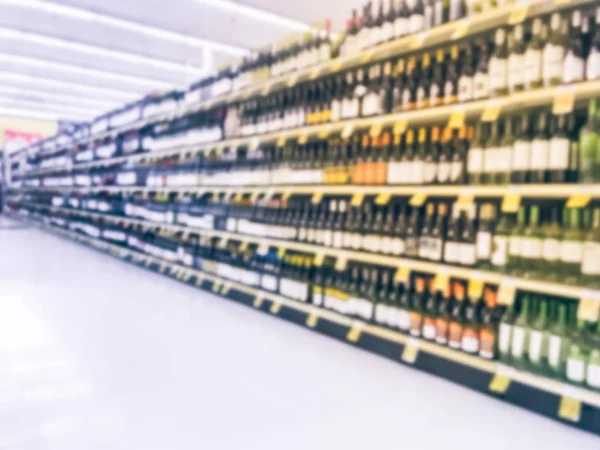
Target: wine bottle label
{"type": "Point", "coordinates": [405, 98]}
{"type": "Point", "coordinates": [484, 245]}
{"type": "Point", "coordinates": [455, 335]}
{"type": "Point", "coordinates": [533, 66]}
{"type": "Point", "coordinates": [467, 254]}
{"type": "Point", "coordinates": [559, 153]}
{"type": "Point", "coordinates": [593, 375]}
{"type": "Point", "coordinates": [554, 351]}
{"type": "Point", "coordinates": [554, 56]}
{"type": "Point", "coordinates": [591, 259]}
{"type": "Point", "coordinates": [403, 320]}
{"type": "Point", "coordinates": [475, 160]}
{"type": "Point", "coordinates": [518, 342]}
{"type": "Point", "coordinates": [421, 97]}
{"type": "Point", "coordinates": [356, 241]}
{"type": "Point", "coordinates": [571, 252]}
{"type": "Point", "coordinates": [435, 92]}
{"type": "Point", "coordinates": [452, 252]}
{"type": "Point", "coordinates": [498, 73]}
{"type": "Point", "coordinates": [441, 331]}
{"type": "Point", "coordinates": [551, 250]}
{"type": "Point", "coordinates": [443, 171]}
{"type": "Point", "coordinates": [336, 110]}
{"type": "Point", "coordinates": [416, 23]}
{"type": "Point", "coordinates": [490, 160]}
{"type": "Point", "coordinates": [317, 296]}
{"type": "Point", "coordinates": [503, 159]}
{"type": "Point", "coordinates": [429, 331]}
{"type": "Point", "coordinates": [387, 32]}
{"type": "Point", "coordinates": [435, 251]}
{"type": "Point", "coordinates": [398, 246]}
{"type": "Point", "coordinates": [481, 88]}
{"type": "Point", "coordinates": [487, 344]}
{"type": "Point", "coordinates": [328, 238]}
{"type": "Point", "coordinates": [500, 250]}
{"type": "Point", "coordinates": [573, 69]}
{"type": "Point", "coordinates": [504, 338]}
{"type": "Point", "coordinates": [269, 283]}
{"type": "Point", "coordinates": [466, 88]}
{"type": "Point", "coordinates": [456, 170]}
{"type": "Point", "coordinates": [347, 240]}
{"type": "Point", "coordinates": [540, 149]}
{"type": "Point", "coordinates": [429, 172]}
{"type": "Point", "coordinates": [531, 248]}
{"type": "Point", "coordinates": [416, 321]}
{"type": "Point", "coordinates": [418, 172]}
{"type": "Point", "coordinates": [470, 341]}
{"type": "Point", "coordinates": [521, 155]}
{"type": "Point", "coordinates": [449, 92]}
{"type": "Point", "coordinates": [575, 370]}
{"type": "Point", "coordinates": [380, 313]}
{"type": "Point", "coordinates": [592, 70]}
{"type": "Point", "coordinates": [338, 239]}
{"type": "Point", "coordinates": [535, 346]}
{"type": "Point", "coordinates": [375, 244]}
{"type": "Point", "coordinates": [516, 66]}
{"type": "Point", "coordinates": [424, 247]}
{"type": "Point", "coordinates": [400, 26]}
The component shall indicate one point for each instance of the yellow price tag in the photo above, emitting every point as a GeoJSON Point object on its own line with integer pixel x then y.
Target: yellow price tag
{"type": "Point", "coordinates": [187, 276]}
{"type": "Point", "coordinates": [569, 409]}
{"type": "Point", "coordinates": [376, 130]}
{"type": "Point", "coordinates": [324, 133]}
{"type": "Point", "coordinates": [243, 246]}
{"type": "Point", "coordinates": [348, 130]}
{"type": "Point", "coordinates": [312, 320]}
{"type": "Point", "coordinates": [402, 275]}
{"type": "Point", "coordinates": [266, 89]}
{"type": "Point", "coordinates": [506, 294]}
{"type": "Point", "coordinates": [491, 111]}
{"type": "Point", "coordinates": [367, 56]}
{"type": "Point", "coordinates": [441, 281]}
{"type": "Point", "coordinates": [286, 195]}
{"type": "Point", "coordinates": [417, 40]}
{"type": "Point", "coordinates": [341, 263]}
{"type": "Point", "coordinates": [511, 203]}
{"type": "Point", "coordinates": [225, 289]}
{"type": "Point", "coordinates": [518, 14]}
{"type": "Point", "coordinates": [475, 288]}
{"type": "Point", "coordinates": [216, 286]}
{"type": "Point", "coordinates": [275, 307]}
{"type": "Point", "coordinates": [564, 101]}
{"type": "Point", "coordinates": [319, 258]}
{"type": "Point", "coordinates": [578, 201]}
{"type": "Point", "coordinates": [588, 309]}
{"type": "Point", "coordinates": [499, 384]}
{"type": "Point", "coordinates": [337, 66]}
{"type": "Point", "coordinates": [258, 300]}
{"type": "Point", "coordinates": [383, 199]}
{"type": "Point", "coordinates": [465, 201]}
{"type": "Point", "coordinates": [317, 197]}
{"type": "Point", "coordinates": [199, 280]}
{"type": "Point", "coordinates": [315, 73]}
{"type": "Point", "coordinates": [354, 334]}
{"type": "Point", "coordinates": [400, 126]}
{"type": "Point", "coordinates": [418, 199]}
{"type": "Point", "coordinates": [292, 80]}
{"type": "Point", "coordinates": [357, 199]}
{"type": "Point", "coordinates": [281, 141]}
{"type": "Point", "coordinates": [302, 139]}
{"type": "Point", "coordinates": [457, 118]}
{"type": "Point", "coordinates": [411, 351]}
{"type": "Point", "coordinates": [222, 242]}
{"type": "Point", "coordinates": [281, 252]}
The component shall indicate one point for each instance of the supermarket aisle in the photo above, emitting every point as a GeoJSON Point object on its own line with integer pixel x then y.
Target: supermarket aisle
{"type": "Point", "coordinates": [98, 354]}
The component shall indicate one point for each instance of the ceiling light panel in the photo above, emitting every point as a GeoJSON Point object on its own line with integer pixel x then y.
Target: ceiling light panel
{"type": "Point", "coordinates": [52, 107]}
{"type": "Point", "coordinates": [88, 16]}
{"type": "Point", "coordinates": [40, 95]}
{"type": "Point", "coordinates": [32, 113]}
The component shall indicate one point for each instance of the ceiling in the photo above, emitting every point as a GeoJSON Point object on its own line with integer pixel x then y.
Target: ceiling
{"type": "Point", "coordinates": [75, 59]}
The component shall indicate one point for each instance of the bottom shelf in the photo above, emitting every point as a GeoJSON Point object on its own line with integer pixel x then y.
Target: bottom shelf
{"type": "Point", "coordinates": [571, 405]}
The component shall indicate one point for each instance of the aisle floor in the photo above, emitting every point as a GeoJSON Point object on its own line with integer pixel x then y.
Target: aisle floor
{"type": "Point", "coordinates": [98, 354]}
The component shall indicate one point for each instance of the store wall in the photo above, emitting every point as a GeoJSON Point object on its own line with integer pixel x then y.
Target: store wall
{"type": "Point", "coordinates": [14, 126]}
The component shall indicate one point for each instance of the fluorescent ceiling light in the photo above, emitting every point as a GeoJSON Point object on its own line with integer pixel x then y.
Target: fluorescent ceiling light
{"type": "Point", "coordinates": [83, 89]}
{"type": "Point", "coordinates": [77, 70]}
{"type": "Point", "coordinates": [29, 113]}
{"type": "Point", "coordinates": [87, 49]}
{"type": "Point", "coordinates": [60, 98]}
{"type": "Point", "coordinates": [36, 104]}
{"type": "Point", "coordinates": [258, 14]}
{"type": "Point", "coordinates": [104, 19]}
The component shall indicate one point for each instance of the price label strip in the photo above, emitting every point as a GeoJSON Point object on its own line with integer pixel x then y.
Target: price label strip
{"type": "Point", "coordinates": [400, 126]}
{"type": "Point", "coordinates": [564, 101]}
{"type": "Point", "coordinates": [475, 289]}
{"type": "Point", "coordinates": [258, 301]}
{"type": "Point", "coordinates": [317, 197]}
{"type": "Point", "coordinates": [411, 351]}
{"type": "Point", "coordinates": [518, 14]}
{"type": "Point", "coordinates": [499, 384]}
{"type": "Point", "coordinates": [354, 333]}
{"type": "Point", "coordinates": [216, 286]}
{"type": "Point", "coordinates": [402, 275]}
{"type": "Point", "coordinates": [225, 289]}
{"type": "Point", "coordinates": [569, 409]}
{"type": "Point", "coordinates": [341, 263]}
{"type": "Point", "coordinates": [319, 258]}
{"type": "Point", "coordinates": [418, 199]}
{"type": "Point", "coordinates": [511, 203]}
{"type": "Point", "coordinates": [312, 320]}
{"type": "Point", "coordinates": [376, 130]}
{"type": "Point", "coordinates": [383, 199]}
{"type": "Point", "coordinates": [506, 294]}
{"type": "Point", "coordinates": [491, 111]}
{"type": "Point", "coordinates": [441, 281]}
{"type": "Point", "coordinates": [275, 307]}
{"type": "Point", "coordinates": [348, 130]}
{"type": "Point", "coordinates": [462, 28]}
{"type": "Point", "coordinates": [578, 201]}
{"type": "Point", "coordinates": [588, 309]}
{"type": "Point", "coordinates": [457, 118]}
{"type": "Point", "coordinates": [357, 199]}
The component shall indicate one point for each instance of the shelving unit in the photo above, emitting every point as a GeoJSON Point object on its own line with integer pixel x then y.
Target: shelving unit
{"type": "Point", "coordinates": [540, 394]}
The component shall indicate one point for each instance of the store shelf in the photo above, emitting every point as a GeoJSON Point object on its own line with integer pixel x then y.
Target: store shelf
{"type": "Point", "coordinates": [537, 393]}
{"type": "Point", "coordinates": [557, 191]}
{"type": "Point", "coordinates": [465, 273]}
{"type": "Point", "coordinates": [472, 111]}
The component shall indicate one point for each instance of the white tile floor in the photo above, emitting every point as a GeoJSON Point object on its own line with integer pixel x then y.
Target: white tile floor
{"type": "Point", "coordinates": [98, 354]}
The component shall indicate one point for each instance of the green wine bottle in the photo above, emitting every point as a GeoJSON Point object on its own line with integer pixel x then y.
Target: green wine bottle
{"type": "Point", "coordinates": [520, 341]}
{"type": "Point", "coordinates": [577, 358]}
{"type": "Point", "coordinates": [538, 340]}
{"type": "Point", "coordinates": [571, 248]}
{"type": "Point", "coordinates": [589, 164]}
{"type": "Point", "coordinates": [515, 243]}
{"type": "Point", "coordinates": [505, 334]}
{"type": "Point", "coordinates": [592, 377]}
{"type": "Point", "coordinates": [558, 343]}
{"type": "Point", "coordinates": [590, 265]}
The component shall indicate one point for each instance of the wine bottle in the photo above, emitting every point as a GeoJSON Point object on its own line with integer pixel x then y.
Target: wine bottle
{"type": "Point", "coordinates": [436, 87]}
{"type": "Point", "coordinates": [560, 146]}
{"type": "Point", "coordinates": [416, 21]}
{"type": "Point", "coordinates": [443, 316]}
{"type": "Point", "coordinates": [540, 150]}
{"type": "Point", "coordinates": [387, 29]}
{"type": "Point", "coordinates": [551, 247]}
{"type": "Point", "coordinates": [398, 246]}
{"type": "Point", "coordinates": [571, 247]}
{"type": "Point", "coordinates": [475, 156]}
{"type": "Point", "coordinates": [554, 51]}
{"type": "Point", "coordinates": [444, 164]}
{"type": "Point", "coordinates": [521, 155]}
{"type": "Point", "coordinates": [455, 327]}
{"type": "Point", "coordinates": [557, 342]}
{"type": "Point", "coordinates": [431, 156]}
{"type": "Point", "coordinates": [412, 234]}
{"type": "Point", "coordinates": [516, 60]}
{"type": "Point", "coordinates": [404, 307]}
{"type": "Point", "coordinates": [381, 304]}
{"type": "Point", "coordinates": [490, 317]}
{"type": "Point", "coordinates": [498, 66]}
{"type": "Point", "coordinates": [515, 244]}
{"type": "Point", "coordinates": [485, 232]}
{"type": "Point", "coordinates": [505, 334]}
{"type": "Point", "coordinates": [500, 242]}
{"type": "Point", "coordinates": [574, 65]}
{"type": "Point", "coordinates": [417, 307]}
{"type": "Point", "coordinates": [452, 76]}
{"type": "Point", "coordinates": [533, 55]}
{"type": "Point", "coordinates": [491, 148]}
{"type": "Point", "coordinates": [409, 89]}
{"type": "Point", "coordinates": [425, 234]}
{"type": "Point", "coordinates": [592, 377]}
{"type": "Point", "coordinates": [452, 249]}
{"type": "Point", "coordinates": [460, 148]}
{"type": "Point", "coordinates": [466, 81]}
{"type": "Point", "coordinates": [589, 168]}
{"type": "Point", "coordinates": [520, 338]}
{"type": "Point", "coordinates": [577, 358]}
{"type": "Point", "coordinates": [531, 244]}
{"type": "Point", "coordinates": [417, 169]}
{"type": "Point", "coordinates": [592, 65]}
{"type": "Point", "coordinates": [481, 87]}
{"type": "Point", "coordinates": [437, 235]}
{"type": "Point", "coordinates": [471, 329]}
{"type": "Point", "coordinates": [430, 314]}
{"type": "Point", "coordinates": [401, 24]}
{"type": "Point", "coordinates": [424, 82]}
{"type": "Point", "coordinates": [590, 265]}
{"type": "Point", "coordinates": [468, 253]}
{"type": "Point", "coordinates": [538, 340]}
